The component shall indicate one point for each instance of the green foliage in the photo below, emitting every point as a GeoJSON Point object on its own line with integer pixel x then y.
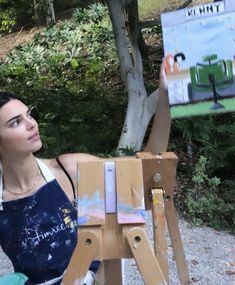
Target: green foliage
{"type": "Point", "coordinates": [14, 13]}
{"type": "Point", "coordinates": [212, 137]}
{"type": "Point", "coordinates": [195, 129]}
{"type": "Point", "coordinates": [8, 20]}
{"type": "Point", "coordinates": [94, 14]}
{"type": "Point", "coordinates": [210, 196]}
{"type": "Point", "coordinates": [206, 202]}
{"type": "Point", "coordinates": [126, 151]}
{"type": "Point", "coordinates": [201, 178]}
{"type": "Point", "coordinates": [62, 72]}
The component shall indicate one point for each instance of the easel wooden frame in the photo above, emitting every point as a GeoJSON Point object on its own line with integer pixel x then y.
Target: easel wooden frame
{"type": "Point", "coordinates": [159, 172]}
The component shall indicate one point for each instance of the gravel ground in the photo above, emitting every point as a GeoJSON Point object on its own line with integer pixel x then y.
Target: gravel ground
{"type": "Point", "coordinates": [210, 256]}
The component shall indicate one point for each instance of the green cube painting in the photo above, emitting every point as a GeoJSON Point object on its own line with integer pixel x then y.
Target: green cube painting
{"type": "Point", "coordinates": [199, 58]}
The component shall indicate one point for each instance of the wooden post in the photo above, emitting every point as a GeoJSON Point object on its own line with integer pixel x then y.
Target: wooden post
{"type": "Point", "coordinates": [177, 245]}
{"type": "Point", "coordinates": [88, 246]}
{"type": "Point", "coordinates": [159, 171]}
{"type": "Point", "coordinates": [159, 230]}
{"type": "Point", "coordinates": [113, 272]}
{"type": "Point", "coordinates": [145, 258]}
{"type": "Point", "coordinates": [100, 275]}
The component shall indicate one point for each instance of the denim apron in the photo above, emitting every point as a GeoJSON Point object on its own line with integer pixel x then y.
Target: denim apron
{"type": "Point", "coordinates": [38, 233]}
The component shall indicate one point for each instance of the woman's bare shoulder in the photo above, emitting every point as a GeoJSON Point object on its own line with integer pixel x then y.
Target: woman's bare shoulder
{"type": "Point", "coordinates": [69, 161]}
{"type": "Point", "coordinates": [77, 157]}
{"type": "Point", "coordinates": [70, 158]}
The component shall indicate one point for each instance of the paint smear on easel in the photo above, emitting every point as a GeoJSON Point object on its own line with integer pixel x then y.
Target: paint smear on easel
{"type": "Point", "coordinates": [129, 215]}
{"type": "Point", "coordinates": [90, 207]}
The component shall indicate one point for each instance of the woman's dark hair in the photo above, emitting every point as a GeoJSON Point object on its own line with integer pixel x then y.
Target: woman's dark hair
{"type": "Point", "coordinates": [6, 97]}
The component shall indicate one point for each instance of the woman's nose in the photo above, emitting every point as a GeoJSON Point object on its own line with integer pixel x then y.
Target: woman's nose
{"type": "Point", "coordinates": [30, 123]}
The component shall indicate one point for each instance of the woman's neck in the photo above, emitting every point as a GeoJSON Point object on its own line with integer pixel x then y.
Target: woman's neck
{"type": "Point", "coordinates": [20, 175]}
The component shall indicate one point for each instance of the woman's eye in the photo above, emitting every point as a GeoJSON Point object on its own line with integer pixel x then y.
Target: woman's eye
{"type": "Point", "coordinates": [15, 123]}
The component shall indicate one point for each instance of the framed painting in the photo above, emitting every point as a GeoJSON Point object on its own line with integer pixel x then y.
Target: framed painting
{"type": "Point", "coordinates": [199, 58]}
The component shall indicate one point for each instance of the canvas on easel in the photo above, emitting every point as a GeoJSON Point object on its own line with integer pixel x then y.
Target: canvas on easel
{"type": "Point", "coordinates": [199, 58]}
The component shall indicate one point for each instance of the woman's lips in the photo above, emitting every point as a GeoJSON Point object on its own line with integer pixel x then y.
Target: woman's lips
{"type": "Point", "coordinates": [34, 137]}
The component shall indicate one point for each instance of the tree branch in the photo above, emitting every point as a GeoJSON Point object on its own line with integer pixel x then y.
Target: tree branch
{"type": "Point", "coordinates": [184, 5]}
{"type": "Point", "coordinates": [116, 12]}
{"type": "Point", "coordinates": [133, 32]}
{"type": "Point", "coordinates": [150, 23]}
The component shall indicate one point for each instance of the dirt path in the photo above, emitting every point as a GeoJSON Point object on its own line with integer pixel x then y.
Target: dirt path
{"type": "Point", "coordinates": [8, 42]}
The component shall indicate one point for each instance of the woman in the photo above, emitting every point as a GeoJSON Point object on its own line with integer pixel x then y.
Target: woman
{"type": "Point", "coordinates": [37, 215]}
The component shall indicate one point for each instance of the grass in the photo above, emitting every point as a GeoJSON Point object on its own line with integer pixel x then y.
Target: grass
{"type": "Point", "coordinates": [149, 9]}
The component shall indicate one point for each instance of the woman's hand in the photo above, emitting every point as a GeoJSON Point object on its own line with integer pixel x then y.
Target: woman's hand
{"type": "Point", "coordinates": [163, 80]}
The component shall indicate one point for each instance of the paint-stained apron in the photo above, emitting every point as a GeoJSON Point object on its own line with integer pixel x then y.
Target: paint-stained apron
{"type": "Point", "coordinates": [38, 233]}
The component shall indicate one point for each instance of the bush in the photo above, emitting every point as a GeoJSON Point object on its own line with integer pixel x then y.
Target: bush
{"type": "Point", "coordinates": [15, 13]}
{"type": "Point", "coordinates": [205, 146]}
{"type": "Point", "coordinates": [206, 201]}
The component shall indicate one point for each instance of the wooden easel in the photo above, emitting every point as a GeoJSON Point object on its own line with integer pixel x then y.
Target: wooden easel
{"type": "Point", "coordinates": [111, 236]}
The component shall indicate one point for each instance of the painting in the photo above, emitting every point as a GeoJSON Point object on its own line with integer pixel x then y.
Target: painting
{"type": "Point", "coordinates": [199, 58]}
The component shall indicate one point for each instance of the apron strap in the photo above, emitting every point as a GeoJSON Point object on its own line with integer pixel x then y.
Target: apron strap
{"type": "Point", "coordinates": [46, 172]}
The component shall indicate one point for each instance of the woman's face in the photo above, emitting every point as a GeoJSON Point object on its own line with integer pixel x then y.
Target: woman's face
{"type": "Point", "coordinates": [18, 130]}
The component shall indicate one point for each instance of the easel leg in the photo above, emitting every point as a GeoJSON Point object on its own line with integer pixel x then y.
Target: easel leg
{"type": "Point", "coordinates": [160, 244]}
{"type": "Point", "coordinates": [87, 246]}
{"type": "Point", "coordinates": [174, 232]}
{"type": "Point", "coordinates": [113, 272]}
{"type": "Point", "coordinates": [100, 276]}
{"type": "Point", "coordinates": [145, 258]}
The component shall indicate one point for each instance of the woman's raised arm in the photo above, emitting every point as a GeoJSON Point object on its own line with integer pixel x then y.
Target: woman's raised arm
{"type": "Point", "coordinates": [160, 132]}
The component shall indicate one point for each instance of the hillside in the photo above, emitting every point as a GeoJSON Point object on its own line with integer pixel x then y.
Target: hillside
{"type": "Point", "coordinates": [148, 8]}
{"type": "Point", "coordinates": [10, 41]}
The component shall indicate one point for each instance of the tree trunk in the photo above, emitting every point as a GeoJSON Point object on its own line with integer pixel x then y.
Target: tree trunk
{"type": "Point", "coordinates": [133, 20]}
{"type": "Point", "coordinates": [50, 13]}
{"type": "Point", "coordinates": [141, 107]}
{"type": "Point", "coordinates": [38, 13]}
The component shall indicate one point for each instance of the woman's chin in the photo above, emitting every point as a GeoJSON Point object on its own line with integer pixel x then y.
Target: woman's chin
{"type": "Point", "coordinates": [37, 146]}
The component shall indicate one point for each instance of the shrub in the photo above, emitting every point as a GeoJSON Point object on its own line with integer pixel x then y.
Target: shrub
{"type": "Point", "coordinates": [15, 13]}
{"type": "Point", "coordinates": [206, 202]}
